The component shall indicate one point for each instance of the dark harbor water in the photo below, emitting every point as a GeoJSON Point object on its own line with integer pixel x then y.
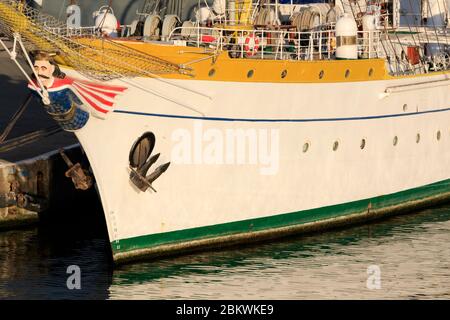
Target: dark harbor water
{"type": "Point", "coordinates": [409, 255]}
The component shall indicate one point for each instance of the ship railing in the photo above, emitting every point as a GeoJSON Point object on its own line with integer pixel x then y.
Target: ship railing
{"type": "Point", "coordinates": [286, 44]}
{"type": "Point", "coordinates": [123, 31]}
{"type": "Point", "coordinates": [75, 31]}
{"type": "Point", "coordinates": [369, 45]}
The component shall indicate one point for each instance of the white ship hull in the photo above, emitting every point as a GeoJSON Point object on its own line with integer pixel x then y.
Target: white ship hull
{"type": "Point", "coordinates": [224, 193]}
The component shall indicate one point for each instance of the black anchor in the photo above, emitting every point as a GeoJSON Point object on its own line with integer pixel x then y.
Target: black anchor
{"type": "Point", "coordinates": [139, 168]}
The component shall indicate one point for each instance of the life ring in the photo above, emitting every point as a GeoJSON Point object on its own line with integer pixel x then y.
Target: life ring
{"type": "Point", "coordinates": [251, 45]}
{"type": "Point", "coordinates": [208, 39]}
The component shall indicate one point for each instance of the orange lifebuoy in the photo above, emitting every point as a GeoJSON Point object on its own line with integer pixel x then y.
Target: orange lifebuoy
{"type": "Point", "coordinates": [251, 46]}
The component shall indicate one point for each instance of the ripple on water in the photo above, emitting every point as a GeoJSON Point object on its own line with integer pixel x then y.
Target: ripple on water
{"type": "Point", "coordinates": [411, 251]}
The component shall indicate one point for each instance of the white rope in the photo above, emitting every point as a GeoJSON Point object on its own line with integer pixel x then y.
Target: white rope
{"type": "Point", "coordinates": [43, 93]}
{"type": "Point", "coordinates": [27, 57]}
{"type": "Point", "coordinates": [133, 83]}
{"type": "Point", "coordinates": [13, 55]}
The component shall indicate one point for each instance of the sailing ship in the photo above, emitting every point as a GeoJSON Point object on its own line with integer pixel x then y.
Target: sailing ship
{"type": "Point", "coordinates": [249, 120]}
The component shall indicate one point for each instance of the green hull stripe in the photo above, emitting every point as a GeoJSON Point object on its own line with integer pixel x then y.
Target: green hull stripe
{"type": "Point", "coordinates": [282, 220]}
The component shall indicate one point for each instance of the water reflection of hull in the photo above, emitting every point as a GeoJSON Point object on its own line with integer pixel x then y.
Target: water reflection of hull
{"type": "Point", "coordinates": [33, 263]}
{"type": "Point", "coordinates": [337, 260]}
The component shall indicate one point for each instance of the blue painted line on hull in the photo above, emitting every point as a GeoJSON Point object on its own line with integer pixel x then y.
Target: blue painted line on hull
{"type": "Point", "coordinates": [398, 115]}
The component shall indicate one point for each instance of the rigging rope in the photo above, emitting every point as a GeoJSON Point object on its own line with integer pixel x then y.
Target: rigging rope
{"type": "Point", "coordinates": [91, 55]}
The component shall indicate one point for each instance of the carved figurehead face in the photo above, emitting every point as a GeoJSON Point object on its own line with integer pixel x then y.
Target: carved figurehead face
{"type": "Point", "coordinates": [44, 69]}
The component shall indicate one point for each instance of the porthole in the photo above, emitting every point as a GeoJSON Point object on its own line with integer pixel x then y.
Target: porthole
{"type": "Point", "coordinates": [370, 72]}
{"type": "Point", "coordinates": [418, 138]}
{"type": "Point", "coordinates": [321, 74]}
{"type": "Point", "coordinates": [438, 135]}
{"type": "Point", "coordinates": [347, 73]}
{"type": "Point", "coordinates": [250, 74]}
{"type": "Point", "coordinates": [363, 144]}
{"type": "Point", "coordinates": [405, 107]}
{"type": "Point", "coordinates": [212, 72]}
{"type": "Point", "coordinates": [284, 74]}
{"type": "Point", "coordinates": [306, 147]}
{"type": "Point", "coordinates": [395, 142]}
{"type": "Point", "coordinates": [335, 146]}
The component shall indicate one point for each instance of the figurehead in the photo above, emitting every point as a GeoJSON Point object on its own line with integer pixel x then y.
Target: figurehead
{"type": "Point", "coordinates": [67, 100]}
{"type": "Point", "coordinates": [46, 68]}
